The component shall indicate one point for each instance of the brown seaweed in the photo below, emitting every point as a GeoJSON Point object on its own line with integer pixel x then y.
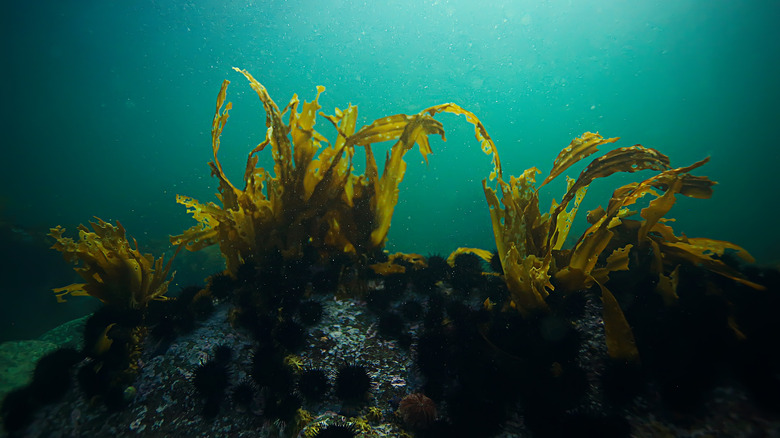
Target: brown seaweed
{"type": "Point", "coordinates": [578, 149]}
{"type": "Point", "coordinates": [313, 198]}
{"type": "Point", "coordinates": [530, 243]}
{"type": "Point", "coordinates": [114, 272]}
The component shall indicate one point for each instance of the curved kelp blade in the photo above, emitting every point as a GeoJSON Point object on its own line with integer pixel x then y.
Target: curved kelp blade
{"type": "Point", "coordinates": [578, 149]}
{"type": "Point", "coordinates": [619, 336]}
{"type": "Point", "coordinates": [480, 132]}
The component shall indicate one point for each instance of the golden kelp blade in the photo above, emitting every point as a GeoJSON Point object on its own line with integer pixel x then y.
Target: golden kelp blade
{"type": "Point", "coordinates": [205, 233]}
{"type": "Point", "coordinates": [387, 268]}
{"type": "Point", "coordinates": [74, 290]}
{"type": "Point", "coordinates": [385, 197]}
{"type": "Point", "coordinates": [699, 256]}
{"type": "Point", "coordinates": [596, 238]}
{"type": "Point", "coordinates": [667, 284]}
{"type": "Point", "coordinates": [578, 149]}
{"type": "Point", "coordinates": [626, 159]}
{"type": "Point", "coordinates": [565, 218]}
{"type": "Point", "coordinates": [619, 336]}
{"type": "Point", "coordinates": [672, 182]}
{"type": "Point", "coordinates": [391, 266]}
{"type": "Point", "coordinates": [515, 221]}
{"type": "Point", "coordinates": [630, 193]}
{"type": "Point", "coordinates": [583, 260]}
{"type": "Point", "coordinates": [617, 261]}
{"type": "Point", "coordinates": [527, 279]}
{"type": "Point", "coordinates": [700, 251]}
{"type": "Point", "coordinates": [229, 193]}
{"type": "Point", "coordinates": [520, 233]}
{"type": "Point", "coordinates": [486, 143]}
{"type": "Point", "coordinates": [704, 246]}
{"type": "Point", "coordinates": [415, 260]}
{"type": "Point", "coordinates": [481, 253]}
{"type": "Point", "coordinates": [393, 127]}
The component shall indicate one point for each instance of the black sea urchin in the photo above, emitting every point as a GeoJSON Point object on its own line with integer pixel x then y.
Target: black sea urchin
{"type": "Point", "coordinates": [352, 383]}
{"type": "Point", "coordinates": [210, 378]}
{"type": "Point", "coordinates": [51, 378]}
{"type": "Point", "coordinates": [221, 285]}
{"type": "Point", "coordinates": [223, 353]}
{"type": "Point", "coordinates": [244, 393]}
{"type": "Point", "coordinates": [313, 384]}
{"type": "Point", "coordinates": [337, 430]}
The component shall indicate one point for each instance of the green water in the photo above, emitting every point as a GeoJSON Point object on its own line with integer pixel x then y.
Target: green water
{"type": "Point", "coordinates": [107, 109]}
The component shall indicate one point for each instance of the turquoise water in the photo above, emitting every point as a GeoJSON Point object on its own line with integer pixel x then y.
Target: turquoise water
{"type": "Point", "coordinates": [108, 106]}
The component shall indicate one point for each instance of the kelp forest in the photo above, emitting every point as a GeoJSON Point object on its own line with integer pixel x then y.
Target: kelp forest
{"type": "Point", "coordinates": [529, 337]}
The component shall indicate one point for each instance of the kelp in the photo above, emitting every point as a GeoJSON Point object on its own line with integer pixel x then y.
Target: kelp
{"type": "Point", "coordinates": [530, 243]}
{"type": "Point", "coordinates": [698, 251]}
{"type": "Point", "coordinates": [579, 148]}
{"type": "Point", "coordinates": [481, 253]}
{"type": "Point", "coordinates": [314, 197]}
{"type": "Point", "coordinates": [517, 228]}
{"type": "Point", "coordinates": [114, 272]}
{"type": "Point", "coordinates": [596, 238]}
{"type": "Point", "coordinates": [525, 238]}
{"type": "Point", "coordinates": [626, 159]}
{"type": "Point", "coordinates": [396, 263]}
{"type": "Point", "coordinates": [617, 332]}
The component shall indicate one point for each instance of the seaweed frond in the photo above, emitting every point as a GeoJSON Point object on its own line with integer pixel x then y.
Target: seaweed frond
{"type": "Point", "coordinates": [530, 243]}
{"type": "Point", "coordinates": [481, 253]}
{"type": "Point", "coordinates": [314, 198]}
{"type": "Point", "coordinates": [526, 238]}
{"type": "Point", "coordinates": [397, 263]}
{"type": "Point", "coordinates": [114, 272]}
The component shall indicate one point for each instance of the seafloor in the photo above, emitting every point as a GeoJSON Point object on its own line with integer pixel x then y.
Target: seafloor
{"type": "Point", "coordinates": [166, 403]}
